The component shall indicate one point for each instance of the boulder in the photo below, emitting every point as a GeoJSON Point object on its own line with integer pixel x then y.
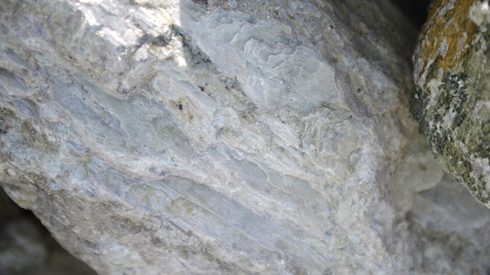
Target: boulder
{"type": "Point", "coordinates": [452, 95]}
{"type": "Point", "coordinates": [223, 137]}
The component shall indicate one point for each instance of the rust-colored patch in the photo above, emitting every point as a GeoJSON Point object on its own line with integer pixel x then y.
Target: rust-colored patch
{"type": "Point", "coordinates": [450, 26]}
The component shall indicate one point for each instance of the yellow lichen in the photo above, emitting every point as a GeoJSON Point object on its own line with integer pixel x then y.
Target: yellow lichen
{"type": "Point", "coordinates": [449, 25]}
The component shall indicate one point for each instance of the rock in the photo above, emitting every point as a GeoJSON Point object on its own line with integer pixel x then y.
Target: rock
{"type": "Point", "coordinates": [27, 248]}
{"type": "Point", "coordinates": [452, 230]}
{"type": "Point", "coordinates": [448, 231]}
{"type": "Point", "coordinates": [452, 98]}
{"type": "Point", "coordinates": [440, 228]}
{"type": "Point", "coordinates": [211, 136]}
{"type": "Point", "coordinates": [156, 137]}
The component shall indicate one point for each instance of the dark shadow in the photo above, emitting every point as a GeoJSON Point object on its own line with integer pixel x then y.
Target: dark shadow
{"type": "Point", "coordinates": [26, 247]}
{"type": "Point", "coordinates": [414, 10]}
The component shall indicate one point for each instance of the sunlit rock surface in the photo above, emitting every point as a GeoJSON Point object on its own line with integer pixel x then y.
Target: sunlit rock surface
{"type": "Point", "coordinates": [213, 137]}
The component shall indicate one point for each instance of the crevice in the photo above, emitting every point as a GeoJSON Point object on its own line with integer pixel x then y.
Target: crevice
{"type": "Point", "coordinates": [416, 11]}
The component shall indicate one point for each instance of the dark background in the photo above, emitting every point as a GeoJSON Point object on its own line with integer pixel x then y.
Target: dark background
{"type": "Point", "coordinates": [415, 10]}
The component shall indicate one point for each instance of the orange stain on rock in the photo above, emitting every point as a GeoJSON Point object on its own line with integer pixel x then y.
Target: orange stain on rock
{"type": "Point", "coordinates": [449, 25]}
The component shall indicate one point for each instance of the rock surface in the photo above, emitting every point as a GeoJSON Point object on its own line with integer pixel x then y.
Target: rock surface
{"type": "Point", "coordinates": [440, 228]}
{"type": "Point", "coordinates": [213, 137]}
{"type": "Point", "coordinates": [452, 102]}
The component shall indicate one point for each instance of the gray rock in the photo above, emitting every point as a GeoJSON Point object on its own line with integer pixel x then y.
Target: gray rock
{"type": "Point", "coordinates": [439, 227]}
{"type": "Point", "coordinates": [450, 230]}
{"type": "Point", "coordinates": [213, 137]}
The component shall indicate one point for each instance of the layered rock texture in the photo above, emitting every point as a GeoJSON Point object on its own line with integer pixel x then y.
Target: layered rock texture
{"type": "Point", "coordinates": [226, 137]}
{"type": "Point", "coordinates": [452, 102]}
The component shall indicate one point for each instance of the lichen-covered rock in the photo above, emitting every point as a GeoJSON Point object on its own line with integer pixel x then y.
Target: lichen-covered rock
{"type": "Point", "coordinates": [452, 99]}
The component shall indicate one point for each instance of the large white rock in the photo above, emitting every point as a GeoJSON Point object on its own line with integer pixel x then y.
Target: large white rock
{"type": "Point", "coordinates": [155, 137]}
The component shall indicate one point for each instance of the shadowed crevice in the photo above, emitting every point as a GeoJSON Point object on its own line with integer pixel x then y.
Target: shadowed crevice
{"type": "Point", "coordinates": [414, 10]}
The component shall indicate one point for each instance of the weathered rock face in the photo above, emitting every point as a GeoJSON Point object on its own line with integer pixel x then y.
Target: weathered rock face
{"type": "Point", "coordinates": [209, 136]}
{"type": "Point", "coordinates": [452, 99]}
{"type": "Point", "coordinates": [155, 137]}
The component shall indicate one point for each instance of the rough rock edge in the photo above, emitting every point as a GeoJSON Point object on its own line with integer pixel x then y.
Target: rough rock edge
{"type": "Point", "coordinates": [449, 75]}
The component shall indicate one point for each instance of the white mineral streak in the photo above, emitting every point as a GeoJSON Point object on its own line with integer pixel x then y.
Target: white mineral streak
{"type": "Point", "coordinates": [155, 137]}
{"type": "Point", "coordinates": [480, 13]}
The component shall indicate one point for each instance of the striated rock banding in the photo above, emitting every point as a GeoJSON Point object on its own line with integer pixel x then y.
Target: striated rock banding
{"type": "Point", "coordinates": [155, 137]}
